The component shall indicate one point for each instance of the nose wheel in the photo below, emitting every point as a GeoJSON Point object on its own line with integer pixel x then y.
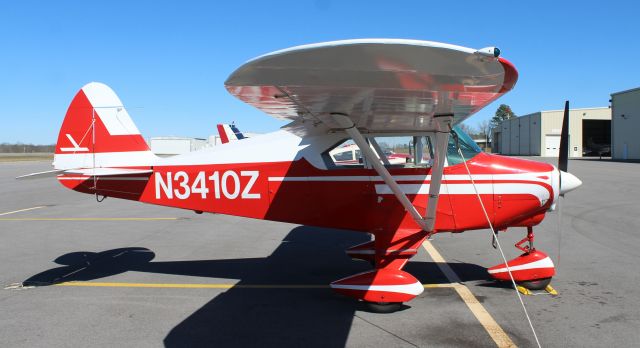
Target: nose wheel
{"type": "Point", "coordinates": [532, 270]}
{"type": "Point", "coordinates": [537, 284]}
{"type": "Point", "coordinates": [383, 307]}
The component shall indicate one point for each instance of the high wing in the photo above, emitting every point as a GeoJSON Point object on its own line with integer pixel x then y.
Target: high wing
{"type": "Point", "coordinates": [382, 85]}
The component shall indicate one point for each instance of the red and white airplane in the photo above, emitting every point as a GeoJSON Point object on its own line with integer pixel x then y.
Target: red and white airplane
{"type": "Point", "coordinates": [358, 90]}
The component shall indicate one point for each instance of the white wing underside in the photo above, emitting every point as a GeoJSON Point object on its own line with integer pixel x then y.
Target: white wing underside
{"type": "Point", "coordinates": [383, 85]}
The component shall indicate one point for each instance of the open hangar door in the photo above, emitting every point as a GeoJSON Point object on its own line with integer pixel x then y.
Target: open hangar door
{"type": "Point", "coordinates": [596, 138]}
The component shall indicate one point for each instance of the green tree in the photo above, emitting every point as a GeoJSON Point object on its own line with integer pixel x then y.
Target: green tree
{"type": "Point", "coordinates": [504, 112]}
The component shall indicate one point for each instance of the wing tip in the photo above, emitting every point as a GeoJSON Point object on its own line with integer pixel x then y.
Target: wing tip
{"type": "Point", "coordinates": [510, 75]}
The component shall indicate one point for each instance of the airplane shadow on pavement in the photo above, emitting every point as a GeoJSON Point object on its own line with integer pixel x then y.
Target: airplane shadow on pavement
{"type": "Point", "coordinates": [258, 316]}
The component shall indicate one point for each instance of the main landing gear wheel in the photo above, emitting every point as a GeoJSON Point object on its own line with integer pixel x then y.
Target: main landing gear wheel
{"type": "Point", "coordinates": [383, 307]}
{"type": "Point", "coordinates": [537, 284]}
{"type": "Point", "coordinates": [381, 290]}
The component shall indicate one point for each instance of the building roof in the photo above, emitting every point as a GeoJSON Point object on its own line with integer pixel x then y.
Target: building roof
{"type": "Point", "coordinates": [626, 91]}
{"type": "Point", "coordinates": [577, 109]}
{"type": "Point", "coordinates": [561, 110]}
{"type": "Point", "coordinates": [172, 137]}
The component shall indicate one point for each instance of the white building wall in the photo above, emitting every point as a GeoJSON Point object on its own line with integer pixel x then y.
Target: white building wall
{"type": "Point", "coordinates": [168, 146]}
{"type": "Point", "coordinates": [550, 130]}
{"type": "Point", "coordinates": [175, 145]}
{"type": "Point", "coordinates": [625, 125]}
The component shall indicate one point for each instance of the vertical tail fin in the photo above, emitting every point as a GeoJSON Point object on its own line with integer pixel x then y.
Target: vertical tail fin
{"type": "Point", "coordinates": [97, 131]}
{"type": "Point", "coordinates": [229, 133]}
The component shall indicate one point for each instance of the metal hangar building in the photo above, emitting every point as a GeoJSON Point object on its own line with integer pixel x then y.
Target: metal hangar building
{"type": "Point", "coordinates": [538, 134]}
{"type": "Point", "coordinates": [625, 125]}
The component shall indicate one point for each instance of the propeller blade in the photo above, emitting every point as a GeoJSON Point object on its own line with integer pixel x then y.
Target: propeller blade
{"type": "Point", "coordinates": [568, 181]}
{"type": "Point", "coordinates": [559, 230]}
{"type": "Point", "coordinates": [563, 157]}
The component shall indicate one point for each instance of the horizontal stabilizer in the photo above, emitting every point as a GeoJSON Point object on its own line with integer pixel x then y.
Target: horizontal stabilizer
{"type": "Point", "coordinates": [107, 171]}
{"type": "Point", "coordinates": [86, 172]}
{"type": "Point", "coordinates": [38, 175]}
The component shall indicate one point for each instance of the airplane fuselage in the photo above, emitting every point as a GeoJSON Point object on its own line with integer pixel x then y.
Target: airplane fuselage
{"type": "Point", "coordinates": [283, 177]}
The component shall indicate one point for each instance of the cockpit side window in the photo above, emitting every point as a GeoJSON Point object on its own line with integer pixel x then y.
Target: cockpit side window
{"type": "Point", "coordinates": [394, 151]}
{"type": "Point", "coordinates": [468, 147]}
{"type": "Point", "coordinates": [344, 154]}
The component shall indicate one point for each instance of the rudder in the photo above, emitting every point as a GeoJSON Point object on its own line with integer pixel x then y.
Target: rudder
{"type": "Point", "coordinates": [97, 131]}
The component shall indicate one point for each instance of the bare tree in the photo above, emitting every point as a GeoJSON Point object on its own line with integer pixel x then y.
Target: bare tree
{"type": "Point", "coordinates": [25, 148]}
{"type": "Point", "coordinates": [484, 130]}
{"type": "Point", "coordinates": [467, 128]}
{"type": "Point", "coordinates": [484, 127]}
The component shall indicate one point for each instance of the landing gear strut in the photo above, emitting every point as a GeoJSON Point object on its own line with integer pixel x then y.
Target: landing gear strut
{"type": "Point", "coordinates": [529, 238]}
{"type": "Point", "coordinates": [532, 270]}
{"type": "Point", "coordinates": [387, 286]}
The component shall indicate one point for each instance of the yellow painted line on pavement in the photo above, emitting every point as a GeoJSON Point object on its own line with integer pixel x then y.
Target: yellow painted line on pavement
{"type": "Point", "coordinates": [213, 286]}
{"type": "Point", "coordinates": [486, 320]}
{"type": "Point", "coordinates": [192, 286]}
{"type": "Point", "coordinates": [91, 219]}
{"type": "Point", "coordinates": [432, 286]}
{"type": "Point", "coordinates": [21, 210]}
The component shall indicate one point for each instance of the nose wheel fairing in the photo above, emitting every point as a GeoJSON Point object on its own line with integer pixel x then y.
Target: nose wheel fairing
{"type": "Point", "coordinates": [526, 267]}
{"type": "Point", "coordinates": [531, 270]}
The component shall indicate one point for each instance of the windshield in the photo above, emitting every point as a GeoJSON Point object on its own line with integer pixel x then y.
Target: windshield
{"type": "Point", "coordinates": [469, 147]}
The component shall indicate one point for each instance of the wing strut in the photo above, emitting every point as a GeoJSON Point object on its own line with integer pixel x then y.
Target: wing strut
{"type": "Point", "coordinates": [442, 138]}
{"type": "Point", "coordinates": [381, 154]}
{"type": "Point", "coordinates": [440, 153]}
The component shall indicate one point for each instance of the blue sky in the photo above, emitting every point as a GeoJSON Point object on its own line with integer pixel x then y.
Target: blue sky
{"type": "Point", "coordinates": [168, 60]}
